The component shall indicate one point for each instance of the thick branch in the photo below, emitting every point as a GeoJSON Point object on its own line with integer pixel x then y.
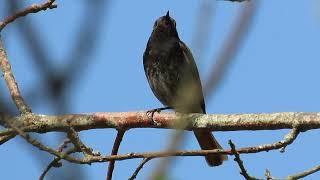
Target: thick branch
{"type": "Point", "coordinates": [88, 159]}
{"type": "Point", "coordinates": [126, 120]}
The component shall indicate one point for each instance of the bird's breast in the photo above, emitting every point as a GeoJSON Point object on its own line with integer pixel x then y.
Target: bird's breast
{"type": "Point", "coordinates": [163, 76]}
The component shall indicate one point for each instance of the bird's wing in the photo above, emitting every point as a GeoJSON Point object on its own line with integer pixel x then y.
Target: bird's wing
{"type": "Point", "coordinates": [193, 76]}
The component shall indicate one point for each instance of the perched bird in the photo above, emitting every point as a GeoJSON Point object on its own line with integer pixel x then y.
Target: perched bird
{"type": "Point", "coordinates": [174, 79]}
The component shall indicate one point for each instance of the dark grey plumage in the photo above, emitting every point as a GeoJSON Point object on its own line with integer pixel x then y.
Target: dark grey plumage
{"type": "Point", "coordinates": [174, 79]}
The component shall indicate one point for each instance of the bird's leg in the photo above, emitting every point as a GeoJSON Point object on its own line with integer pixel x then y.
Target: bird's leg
{"type": "Point", "coordinates": [151, 112]}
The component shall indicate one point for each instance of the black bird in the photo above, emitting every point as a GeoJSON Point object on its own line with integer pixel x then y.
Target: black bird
{"type": "Point", "coordinates": [174, 79]}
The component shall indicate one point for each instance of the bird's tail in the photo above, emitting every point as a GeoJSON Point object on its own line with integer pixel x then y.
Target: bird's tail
{"type": "Point", "coordinates": [207, 142]}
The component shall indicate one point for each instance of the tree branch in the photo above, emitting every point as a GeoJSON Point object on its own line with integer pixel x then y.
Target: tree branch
{"type": "Point", "coordinates": [68, 123]}
{"type": "Point", "coordinates": [88, 159]}
{"type": "Point", "coordinates": [4, 62]}
{"type": "Point", "coordinates": [79, 145]}
{"type": "Point", "coordinates": [6, 138]}
{"type": "Point", "coordinates": [243, 172]}
{"type": "Point", "coordinates": [115, 149]}
{"type": "Point", "coordinates": [304, 173]}
{"type": "Point", "coordinates": [49, 4]}
{"type": "Point", "coordinates": [127, 120]}
{"type": "Point", "coordinates": [92, 159]}
{"type": "Point", "coordinates": [11, 82]}
{"type": "Point", "coordinates": [36, 143]}
{"type": "Point", "coordinates": [54, 163]}
{"type": "Point", "coordinates": [246, 150]}
{"type": "Point", "coordinates": [143, 162]}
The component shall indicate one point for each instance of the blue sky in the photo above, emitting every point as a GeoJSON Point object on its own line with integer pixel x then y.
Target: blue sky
{"type": "Point", "coordinates": [275, 70]}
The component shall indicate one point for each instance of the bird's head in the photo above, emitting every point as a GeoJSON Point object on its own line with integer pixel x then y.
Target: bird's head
{"type": "Point", "coordinates": [165, 26]}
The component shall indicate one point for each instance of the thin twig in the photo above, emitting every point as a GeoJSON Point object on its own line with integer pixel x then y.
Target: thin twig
{"type": "Point", "coordinates": [176, 140]}
{"type": "Point", "coordinates": [31, 9]}
{"type": "Point", "coordinates": [6, 138]}
{"type": "Point", "coordinates": [115, 149]}
{"type": "Point", "coordinates": [11, 82]}
{"type": "Point", "coordinates": [50, 165]}
{"type": "Point", "coordinates": [237, 158]}
{"type": "Point", "coordinates": [6, 132]}
{"type": "Point", "coordinates": [55, 163]}
{"type": "Point", "coordinates": [37, 144]}
{"type": "Point", "coordinates": [268, 175]}
{"type": "Point", "coordinates": [92, 159]}
{"type": "Point", "coordinates": [77, 59]}
{"type": "Point", "coordinates": [174, 143]}
{"type": "Point", "coordinates": [63, 145]}
{"type": "Point", "coordinates": [304, 173]}
{"type": "Point", "coordinates": [143, 162]}
{"type": "Point", "coordinates": [79, 145]}
{"type": "Point", "coordinates": [289, 138]}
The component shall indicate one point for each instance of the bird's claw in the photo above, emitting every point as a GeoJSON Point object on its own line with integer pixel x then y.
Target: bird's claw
{"type": "Point", "coordinates": [150, 115]}
{"type": "Point", "coordinates": [151, 112]}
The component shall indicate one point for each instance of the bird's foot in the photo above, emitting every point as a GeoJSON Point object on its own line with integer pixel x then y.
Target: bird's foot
{"type": "Point", "coordinates": [150, 113]}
